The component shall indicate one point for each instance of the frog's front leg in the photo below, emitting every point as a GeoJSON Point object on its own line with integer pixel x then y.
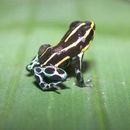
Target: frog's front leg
{"type": "Point", "coordinates": [34, 63]}
{"type": "Point", "coordinates": [49, 77]}
{"type": "Point", "coordinates": [78, 66]}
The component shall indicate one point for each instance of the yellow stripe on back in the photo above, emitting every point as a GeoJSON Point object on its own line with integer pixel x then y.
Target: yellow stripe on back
{"type": "Point", "coordinates": [85, 36]}
{"type": "Point", "coordinates": [74, 31]}
{"type": "Point", "coordinates": [92, 24]}
{"type": "Point", "coordinates": [85, 48]}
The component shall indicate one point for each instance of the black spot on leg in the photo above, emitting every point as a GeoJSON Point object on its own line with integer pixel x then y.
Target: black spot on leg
{"type": "Point", "coordinates": [51, 85]}
{"type": "Point", "coordinates": [55, 78]}
{"type": "Point", "coordinates": [38, 70]}
{"type": "Point", "coordinates": [60, 71]}
{"type": "Point", "coordinates": [42, 85]}
{"type": "Point", "coordinates": [49, 70]}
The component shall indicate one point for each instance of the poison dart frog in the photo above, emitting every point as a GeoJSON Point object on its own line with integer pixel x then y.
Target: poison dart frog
{"type": "Point", "coordinates": [49, 65]}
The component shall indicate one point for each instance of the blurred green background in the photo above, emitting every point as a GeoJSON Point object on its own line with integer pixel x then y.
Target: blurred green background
{"type": "Point", "coordinates": [24, 26]}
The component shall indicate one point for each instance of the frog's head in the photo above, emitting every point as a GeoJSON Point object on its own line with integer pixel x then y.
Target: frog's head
{"type": "Point", "coordinates": [80, 30]}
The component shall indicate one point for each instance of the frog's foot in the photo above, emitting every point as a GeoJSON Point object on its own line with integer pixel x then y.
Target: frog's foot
{"type": "Point", "coordinates": [82, 83]}
{"type": "Point", "coordinates": [33, 64]}
{"type": "Point", "coordinates": [49, 77]}
{"type": "Point", "coordinates": [88, 83]}
{"type": "Point", "coordinates": [49, 86]}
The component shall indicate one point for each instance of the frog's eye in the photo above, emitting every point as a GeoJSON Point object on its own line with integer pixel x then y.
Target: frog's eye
{"type": "Point", "coordinates": [74, 24]}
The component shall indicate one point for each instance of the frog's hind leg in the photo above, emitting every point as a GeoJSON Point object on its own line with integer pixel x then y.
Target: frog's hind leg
{"type": "Point", "coordinates": [33, 64]}
{"type": "Point", "coordinates": [49, 77]}
{"type": "Point", "coordinates": [41, 80]}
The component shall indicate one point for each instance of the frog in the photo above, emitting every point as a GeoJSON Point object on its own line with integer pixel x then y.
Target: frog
{"type": "Point", "coordinates": [50, 63]}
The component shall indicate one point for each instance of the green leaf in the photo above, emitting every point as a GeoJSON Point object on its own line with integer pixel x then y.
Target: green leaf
{"type": "Point", "coordinates": [24, 26]}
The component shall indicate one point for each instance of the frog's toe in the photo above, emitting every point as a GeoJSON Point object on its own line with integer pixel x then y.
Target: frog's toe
{"type": "Point", "coordinates": [88, 83]}
{"type": "Point", "coordinates": [34, 63]}
{"type": "Point", "coordinates": [83, 83]}
{"type": "Point", "coordinates": [29, 68]}
{"type": "Point", "coordinates": [44, 86]}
